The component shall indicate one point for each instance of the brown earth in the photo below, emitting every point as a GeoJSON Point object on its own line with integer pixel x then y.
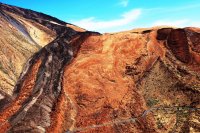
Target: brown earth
{"type": "Point", "coordinates": [138, 81]}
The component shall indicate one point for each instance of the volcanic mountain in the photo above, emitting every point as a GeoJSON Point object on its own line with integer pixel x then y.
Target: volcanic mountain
{"type": "Point", "coordinates": [138, 81]}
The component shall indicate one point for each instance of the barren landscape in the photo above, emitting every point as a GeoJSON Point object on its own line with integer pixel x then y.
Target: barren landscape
{"type": "Point", "coordinates": [60, 78]}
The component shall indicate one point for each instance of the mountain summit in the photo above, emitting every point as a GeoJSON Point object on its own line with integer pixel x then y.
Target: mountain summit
{"type": "Point", "coordinates": [138, 81]}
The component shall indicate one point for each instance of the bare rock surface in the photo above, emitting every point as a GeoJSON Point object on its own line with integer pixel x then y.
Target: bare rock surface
{"type": "Point", "coordinates": [138, 81]}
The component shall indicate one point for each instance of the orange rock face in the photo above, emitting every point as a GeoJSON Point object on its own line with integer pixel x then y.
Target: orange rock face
{"type": "Point", "coordinates": [98, 84]}
{"type": "Point", "coordinates": [139, 81]}
{"type": "Point", "coordinates": [109, 78]}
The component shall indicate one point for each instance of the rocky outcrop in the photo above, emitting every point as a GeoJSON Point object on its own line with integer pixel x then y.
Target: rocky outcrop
{"type": "Point", "coordinates": [141, 81]}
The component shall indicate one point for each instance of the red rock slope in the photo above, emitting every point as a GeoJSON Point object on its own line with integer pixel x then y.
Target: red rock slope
{"type": "Point", "coordinates": [139, 81]}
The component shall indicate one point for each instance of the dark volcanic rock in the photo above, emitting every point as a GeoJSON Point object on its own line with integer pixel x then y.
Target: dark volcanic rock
{"type": "Point", "coordinates": [163, 33]}
{"type": "Point", "coordinates": [178, 43]}
{"type": "Point", "coordinates": [194, 37]}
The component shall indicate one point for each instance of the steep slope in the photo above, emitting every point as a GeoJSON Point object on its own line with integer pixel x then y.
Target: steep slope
{"type": "Point", "coordinates": [138, 81]}
{"type": "Point", "coordinates": [23, 32]}
{"type": "Point", "coordinates": [152, 78]}
{"type": "Point", "coordinates": [134, 81]}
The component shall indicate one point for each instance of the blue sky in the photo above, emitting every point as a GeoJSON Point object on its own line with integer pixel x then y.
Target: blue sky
{"type": "Point", "coordinates": [118, 15]}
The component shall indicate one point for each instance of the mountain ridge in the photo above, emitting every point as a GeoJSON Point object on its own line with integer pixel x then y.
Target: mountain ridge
{"type": "Point", "coordinates": [23, 34]}
{"type": "Point", "coordinates": [143, 80]}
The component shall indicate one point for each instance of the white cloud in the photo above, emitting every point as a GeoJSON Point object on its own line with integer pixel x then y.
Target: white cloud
{"type": "Point", "coordinates": [101, 25]}
{"type": "Point", "coordinates": [177, 23]}
{"type": "Point", "coordinates": [124, 3]}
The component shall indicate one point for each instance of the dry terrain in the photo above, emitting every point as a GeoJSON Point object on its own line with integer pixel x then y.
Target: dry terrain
{"type": "Point", "coordinates": [137, 81]}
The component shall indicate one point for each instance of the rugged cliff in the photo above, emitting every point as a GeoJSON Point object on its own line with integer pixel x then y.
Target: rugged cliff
{"type": "Point", "coordinates": [139, 81]}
